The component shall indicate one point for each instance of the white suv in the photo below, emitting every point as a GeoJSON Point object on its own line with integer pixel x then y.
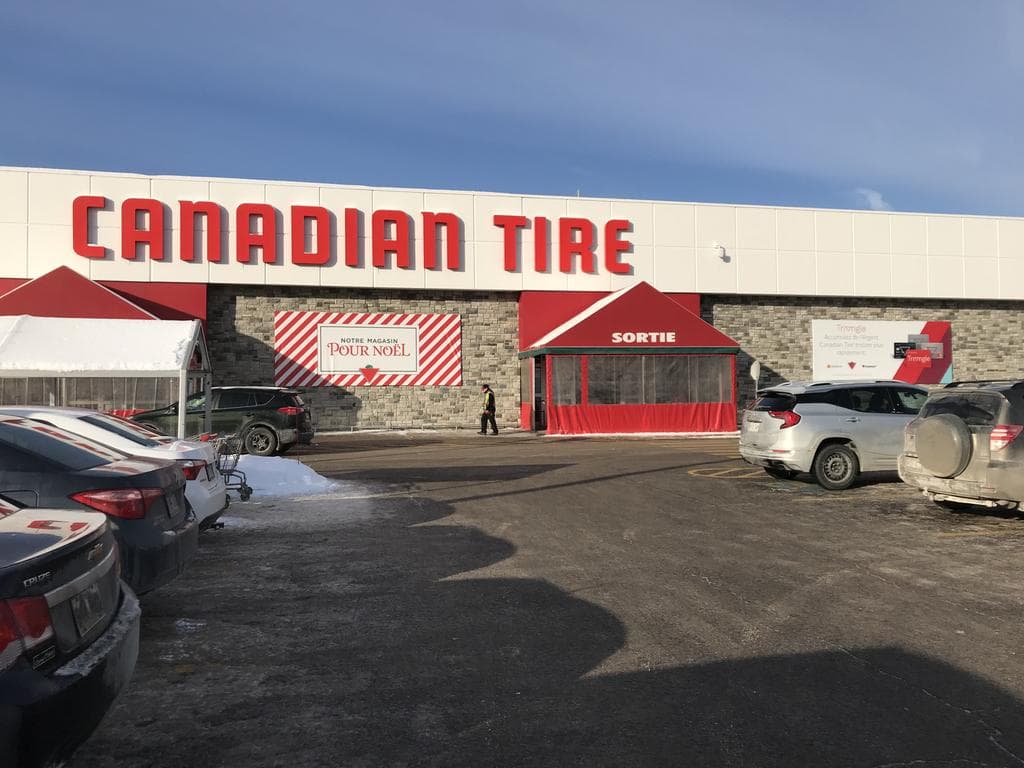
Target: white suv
{"type": "Point", "coordinates": [834, 430]}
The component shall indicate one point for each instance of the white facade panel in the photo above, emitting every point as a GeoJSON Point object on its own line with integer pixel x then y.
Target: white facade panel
{"type": "Point", "coordinates": [14, 249]}
{"type": "Point", "coordinates": [678, 247]}
{"type": "Point", "coordinates": [945, 236]}
{"type": "Point", "coordinates": [836, 275]}
{"type": "Point", "coordinates": [981, 278]}
{"type": "Point", "coordinates": [50, 195]}
{"type": "Point", "coordinates": [1011, 238]}
{"type": "Point", "coordinates": [13, 197]}
{"type": "Point", "coordinates": [981, 237]}
{"type": "Point", "coordinates": [49, 247]}
{"type": "Point", "coordinates": [755, 228]}
{"type": "Point", "coordinates": [674, 224]}
{"type": "Point", "coordinates": [716, 270]}
{"type": "Point", "coordinates": [795, 230]}
{"type": "Point", "coordinates": [871, 232]}
{"type": "Point", "coordinates": [798, 273]}
{"type": "Point", "coordinates": [1011, 278]}
{"type": "Point", "coordinates": [757, 270]}
{"type": "Point", "coordinates": [675, 268]}
{"type": "Point", "coordinates": [945, 277]}
{"type": "Point", "coordinates": [872, 274]}
{"type": "Point", "coordinates": [909, 274]}
{"type": "Point", "coordinates": [909, 234]}
{"type": "Point", "coordinates": [716, 225]}
{"type": "Point", "coordinates": [833, 231]}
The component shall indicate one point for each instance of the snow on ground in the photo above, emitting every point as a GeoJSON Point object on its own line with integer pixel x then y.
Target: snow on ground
{"type": "Point", "coordinates": [287, 493]}
{"type": "Point", "coordinates": [278, 476]}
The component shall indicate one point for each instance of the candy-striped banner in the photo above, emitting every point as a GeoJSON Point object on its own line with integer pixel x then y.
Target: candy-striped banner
{"type": "Point", "coordinates": [377, 349]}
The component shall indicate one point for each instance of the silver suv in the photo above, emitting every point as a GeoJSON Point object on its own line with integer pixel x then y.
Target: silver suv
{"type": "Point", "coordinates": [834, 430]}
{"type": "Point", "coordinates": [964, 449]}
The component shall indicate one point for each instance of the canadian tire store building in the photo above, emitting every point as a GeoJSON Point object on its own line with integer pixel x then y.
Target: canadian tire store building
{"type": "Point", "coordinates": [390, 307]}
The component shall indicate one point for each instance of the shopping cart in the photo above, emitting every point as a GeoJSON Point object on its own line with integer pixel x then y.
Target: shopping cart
{"type": "Point", "coordinates": [229, 449]}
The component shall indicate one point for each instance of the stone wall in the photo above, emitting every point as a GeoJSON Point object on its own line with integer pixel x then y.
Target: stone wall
{"type": "Point", "coordinates": [241, 336]}
{"type": "Point", "coordinates": [987, 335]}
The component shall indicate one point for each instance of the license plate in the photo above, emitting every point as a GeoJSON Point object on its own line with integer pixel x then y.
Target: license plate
{"type": "Point", "coordinates": [173, 504]}
{"type": "Point", "coordinates": [753, 426]}
{"type": "Point", "coordinates": [87, 608]}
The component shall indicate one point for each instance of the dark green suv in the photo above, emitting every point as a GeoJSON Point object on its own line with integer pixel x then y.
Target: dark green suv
{"type": "Point", "coordinates": [268, 419]}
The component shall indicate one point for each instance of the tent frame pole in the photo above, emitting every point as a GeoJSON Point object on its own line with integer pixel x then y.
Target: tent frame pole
{"type": "Point", "coordinates": [182, 397]}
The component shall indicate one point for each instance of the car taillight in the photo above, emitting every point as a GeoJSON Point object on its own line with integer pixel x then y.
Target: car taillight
{"type": "Point", "coordinates": [1002, 435]}
{"type": "Point", "coordinates": [127, 503]}
{"type": "Point", "coordinates": [24, 624]}
{"type": "Point", "coordinates": [191, 467]}
{"type": "Point", "coordinates": [289, 410]}
{"type": "Point", "coordinates": [789, 418]}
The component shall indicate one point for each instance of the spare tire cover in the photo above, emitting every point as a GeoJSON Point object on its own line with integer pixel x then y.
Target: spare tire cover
{"type": "Point", "coordinates": [944, 445]}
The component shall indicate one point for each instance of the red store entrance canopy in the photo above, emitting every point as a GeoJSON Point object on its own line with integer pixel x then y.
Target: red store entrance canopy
{"type": "Point", "coordinates": [634, 361]}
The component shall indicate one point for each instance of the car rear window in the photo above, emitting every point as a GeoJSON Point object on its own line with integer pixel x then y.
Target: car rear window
{"type": "Point", "coordinates": [128, 431]}
{"type": "Point", "coordinates": [979, 409]}
{"type": "Point", "coordinates": [55, 445]}
{"type": "Point", "coordinates": [775, 401]}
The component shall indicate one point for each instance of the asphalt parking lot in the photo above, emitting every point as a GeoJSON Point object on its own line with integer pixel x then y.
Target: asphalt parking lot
{"type": "Point", "coordinates": [527, 601]}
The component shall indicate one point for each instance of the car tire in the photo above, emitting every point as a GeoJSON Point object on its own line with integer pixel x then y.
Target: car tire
{"type": "Point", "coordinates": [836, 467]}
{"type": "Point", "coordinates": [260, 441]}
{"type": "Point", "coordinates": [781, 473]}
{"type": "Point", "coordinates": [944, 445]}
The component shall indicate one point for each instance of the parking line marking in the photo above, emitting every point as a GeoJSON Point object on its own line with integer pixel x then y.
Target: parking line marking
{"type": "Point", "coordinates": [732, 473]}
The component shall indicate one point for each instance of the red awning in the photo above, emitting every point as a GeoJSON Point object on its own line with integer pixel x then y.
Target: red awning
{"type": "Point", "coordinates": [65, 293]}
{"type": "Point", "coordinates": [638, 318]}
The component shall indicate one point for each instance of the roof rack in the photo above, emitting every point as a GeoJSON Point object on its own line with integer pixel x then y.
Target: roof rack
{"type": "Point", "coordinates": [1011, 382]}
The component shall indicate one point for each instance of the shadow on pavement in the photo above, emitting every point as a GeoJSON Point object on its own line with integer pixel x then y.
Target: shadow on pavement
{"type": "Point", "coordinates": [374, 644]}
{"type": "Point", "coordinates": [450, 474]}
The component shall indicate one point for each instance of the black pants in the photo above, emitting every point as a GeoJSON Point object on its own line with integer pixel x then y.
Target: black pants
{"type": "Point", "coordinates": [488, 417]}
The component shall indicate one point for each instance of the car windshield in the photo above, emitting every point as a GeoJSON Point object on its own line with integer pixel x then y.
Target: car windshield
{"type": "Point", "coordinates": [124, 429]}
{"type": "Point", "coordinates": [54, 444]}
{"type": "Point", "coordinates": [979, 409]}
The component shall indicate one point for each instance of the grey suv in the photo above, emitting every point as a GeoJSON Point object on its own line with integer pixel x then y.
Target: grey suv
{"type": "Point", "coordinates": [963, 448]}
{"type": "Point", "coordinates": [834, 430]}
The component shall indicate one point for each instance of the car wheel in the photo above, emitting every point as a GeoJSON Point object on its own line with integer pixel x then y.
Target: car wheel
{"type": "Point", "coordinates": [260, 441]}
{"type": "Point", "coordinates": [836, 467]}
{"type": "Point", "coordinates": [781, 472]}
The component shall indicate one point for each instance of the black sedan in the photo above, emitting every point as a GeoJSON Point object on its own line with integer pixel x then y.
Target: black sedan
{"type": "Point", "coordinates": [144, 499]}
{"type": "Point", "coordinates": [69, 631]}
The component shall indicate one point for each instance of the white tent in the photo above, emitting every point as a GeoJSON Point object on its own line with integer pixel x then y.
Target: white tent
{"type": "Point", "coordinates": [60, 347]}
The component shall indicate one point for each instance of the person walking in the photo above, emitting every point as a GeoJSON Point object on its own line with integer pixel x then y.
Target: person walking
{"type": "Point", "coordinates": [487, 417]}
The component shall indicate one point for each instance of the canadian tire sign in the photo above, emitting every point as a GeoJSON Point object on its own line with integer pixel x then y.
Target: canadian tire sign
{"type": "Point", "coordinates": [377, 349]}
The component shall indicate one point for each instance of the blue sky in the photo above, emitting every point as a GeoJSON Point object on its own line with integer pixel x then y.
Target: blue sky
{"type": "Point", "coordinates": [911, 104]}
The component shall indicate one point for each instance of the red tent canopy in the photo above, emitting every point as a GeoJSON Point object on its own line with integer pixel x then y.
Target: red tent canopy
{"type": "Point", "coordinates": [634, 361]}
{"type": "Point", "coordinates": [65, 293]}
{"type": "Point", "coordinates": [638, 317]}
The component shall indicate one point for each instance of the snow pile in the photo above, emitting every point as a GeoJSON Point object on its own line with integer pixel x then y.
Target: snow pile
{"type": "Point", "coordinates": [278, 476]}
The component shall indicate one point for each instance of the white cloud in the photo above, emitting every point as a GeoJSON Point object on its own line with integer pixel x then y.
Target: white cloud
{"type": "Point", "coordinates": [872, 199]}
